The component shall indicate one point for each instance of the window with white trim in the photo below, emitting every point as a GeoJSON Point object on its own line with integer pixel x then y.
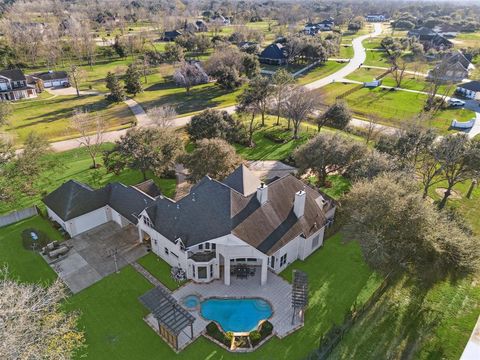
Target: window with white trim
{"type": "Point", "coordinates": [166, 251]}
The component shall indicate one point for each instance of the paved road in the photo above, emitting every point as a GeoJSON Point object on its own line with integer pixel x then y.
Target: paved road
{"type": "Point", "coordinates": [358, 59]}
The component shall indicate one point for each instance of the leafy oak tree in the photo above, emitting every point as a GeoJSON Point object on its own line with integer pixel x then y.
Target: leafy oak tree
{"type": "Point", "coordinates": [213, 157]}
{"type": "Point", "coordinates": [133, 83]}
{"type": "Point", "coordinates": [147, 149]}
{"type": "Point", "coordinates": [328, 153]}
{"type": "Point", "coordinates": [337, 116]}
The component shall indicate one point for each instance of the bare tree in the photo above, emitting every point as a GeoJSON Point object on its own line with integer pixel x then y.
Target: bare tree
{"type": "Point", "coordinates": [373, 130]}
{"type": "Point", "coordinates": [299, 105]}
{"type": "Point", "coordinates": [188, 75]}
{"type": "Point", "coordinates": [399, 65]}
{"type": "Point", "coordinates": [438, 87]}
{"type": "Point", "coordinates": [33, 323]}
{"type": "Point", "coordinates": [76, 76]}
{"type": "Point", "coordinates": [91, 130]}
{"type": "Point", "coordinates": [162, 116]}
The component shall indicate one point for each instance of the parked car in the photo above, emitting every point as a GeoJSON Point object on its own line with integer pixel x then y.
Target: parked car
{"type": "Point", "coordinates": [456, 103]}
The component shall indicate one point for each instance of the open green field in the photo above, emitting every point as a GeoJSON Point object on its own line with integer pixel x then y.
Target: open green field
{"type": "Point", "coordinates": [26, 265]}
{"type": "Point", "coordinates": [75, 164]}
{"type": "Point", "coordinates": [112, 316]}
{"type": "Point", "coordinates": [390, 107]}
{"type": "Point", "coordinates": [467, 40]}
{"type": "Point", "coordinates": [199, 98]}
{"type": "Point", "coordinates": [413, 322]}
{"type": "Point", "coordinates": [319, 72]}
{"type": "Point", "coordinates": [346, 52]}
{"type": "Point", "coordinates": [379, 58]}
{"type": "Point", "coordinates": [49, 116]}
{"type": "Point", "coordinates": [410, 81]}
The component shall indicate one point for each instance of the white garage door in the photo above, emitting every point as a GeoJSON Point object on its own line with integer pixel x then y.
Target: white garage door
{"type": "Point", "coordinates": [56, 83]}
{"type": "Point", "coordinates": [88, 221]}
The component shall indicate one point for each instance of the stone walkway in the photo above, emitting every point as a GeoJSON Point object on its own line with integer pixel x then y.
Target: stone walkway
{"type": "Point", "coordinates": [146, 274]}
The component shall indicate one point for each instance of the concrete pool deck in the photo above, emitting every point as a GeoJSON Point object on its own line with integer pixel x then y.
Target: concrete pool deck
{"type": "Point", "coordinates": [276, 291]}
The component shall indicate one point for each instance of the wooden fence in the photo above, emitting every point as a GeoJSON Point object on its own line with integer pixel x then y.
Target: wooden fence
{"type": "Point", "coordinates": [15, 216]}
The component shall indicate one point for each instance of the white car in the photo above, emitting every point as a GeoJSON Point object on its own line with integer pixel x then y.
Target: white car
{"type": "Point", "coordinates": [456, 103]}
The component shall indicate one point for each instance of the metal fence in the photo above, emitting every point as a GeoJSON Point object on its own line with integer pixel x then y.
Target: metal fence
{"type": "Point", "coordinates": [15, 216]}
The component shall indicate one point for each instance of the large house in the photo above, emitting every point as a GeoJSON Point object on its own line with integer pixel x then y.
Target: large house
{"type": "Point", "coordinates": [430, 39]}
{"type": "Point", "coordinates": [14, 86]}
{"type": "Point", "coordinates": [218, 224]}
{"type": "Point", "coordinates": [52, 78]}
{"type": "Point", "coordinates": [453, 68]}
{"type": "Point", "coordinates": [375, 18]}
{"type": "Point", "coordinates": [274, 54]}
{"type": "Point", "coordinates": [314, 28]}
{"type": "Point", "coordinates": [470, 90]}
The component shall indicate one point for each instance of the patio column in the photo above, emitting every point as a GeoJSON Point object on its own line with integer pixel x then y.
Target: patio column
{"type": "Point", "coordinates": [263, 279]}
{"type": "Point", "coordinates": [226, 266]}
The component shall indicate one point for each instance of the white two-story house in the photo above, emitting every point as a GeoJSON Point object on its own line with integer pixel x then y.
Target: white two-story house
{"type": "Point", "coordinates": [14, 86]}
{"type": "Point", "coordinates": [216, 226]}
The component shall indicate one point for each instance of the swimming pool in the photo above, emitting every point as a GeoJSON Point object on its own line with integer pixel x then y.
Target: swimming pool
{"type": "Point", "coordinates": [236, 315]}
{"type": "Point", "coordinates": [191, 302]}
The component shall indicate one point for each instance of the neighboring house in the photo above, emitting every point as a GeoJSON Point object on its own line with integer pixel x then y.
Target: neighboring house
{"type": "Point", "coordinates": [470, 90]}
{"type": "Point", "coordinates": [171, 35]}
{"type": "Point", "coordinates": [454, 68]}
{"type": "Point", "coordinates": [217, 225]}
{"type": "Point", "coordinates": [14, 86]}
{"type": "Point", "coordinates": [315, 28]}
{"type": "Point", "coordinates": [220, 19]}
{"type": "Point", "coordinates": [201, 25]}
{"type": "Point", "coordinates": [446, 30]}
{"type": "Point", "coordinates": [52, 78]}
{"type": "Point", "coordinates": [375, 18]}
{"type": "Point", "coordinates": [430, 39]}
{"type": "Point", "coordinates": [249, 47]}
{"type": "Point", "coordinates": [274, 54]}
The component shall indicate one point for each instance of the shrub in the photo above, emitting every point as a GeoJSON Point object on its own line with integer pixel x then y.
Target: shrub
{"type": "Point", "coordinates": [255, 337]}
{"type": "Point", "coordinates": [214, 332]}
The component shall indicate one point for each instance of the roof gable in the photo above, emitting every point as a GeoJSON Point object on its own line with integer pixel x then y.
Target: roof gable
{"type": "Point", "coordinates": [274, 51]}
{"type": "Point", "coordinates": [243, 180]}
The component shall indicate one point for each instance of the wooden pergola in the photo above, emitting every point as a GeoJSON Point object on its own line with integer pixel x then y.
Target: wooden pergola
{"type": "Point", "coordinates": [172, 318]}
{"type": "Point", "coordinates": [299, 294]}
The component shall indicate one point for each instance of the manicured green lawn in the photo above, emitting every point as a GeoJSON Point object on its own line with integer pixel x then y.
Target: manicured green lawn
{"type": "Point", "coordinates": [346, 52]}
{"type": "Point", "coordinates": [337, 188]}
{"type": "Point", "coordinates": [112, 316]}
{"type": "Point", "coordinates": [319, 72]}
{"type": "Point", "coordinates": [76, 165]}
{"type": "Point", "coordinates": [199, 98]}
{"type": "Point", "coordinates": [26, 265]}
{"type": "Point", "coordinates": [390, 107]}
{"type": "Point", "coordinates": [160, 269]}
{"type": "Point", "coordinates": [469, 209]}
{"type": "Point", "coordinates": [50, 116]}
{"type": "Point", "coordinates": [409, 81]}
{"type": "Point", "coordinates": [414, 322]}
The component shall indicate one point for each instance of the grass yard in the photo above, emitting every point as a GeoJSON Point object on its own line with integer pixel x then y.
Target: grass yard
{"type": "Point", "coordinates": [49, 116]}
{"type": "Point", "coordinates": [410, 321]}
{"type": "Point", "coordinates": [112, 316]}
{"type": "Point", "coordinates": [468, 209]}
{"type": "Point", "coordinates": [75, 164]}
{"type": "Point", "coordinates": [346, 52]}
{"type": "Point", "coordinates": [319, 72]}
{"type": "Point", "coordinates": [390, 107]}
{"type": "Point", "coordinates": [410, 81]}
{"type": "Point", "coordinates": [160, 269]}
{"type": "Point", "coordinates": [26, 265]}
{"type": "Point", "coordinates": [467, 40]}
{"type": "Point", "coordinates": [199, 98]}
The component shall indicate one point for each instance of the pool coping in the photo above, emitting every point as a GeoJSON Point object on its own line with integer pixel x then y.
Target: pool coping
{"type": "Point", "coordinates": [233, 298]}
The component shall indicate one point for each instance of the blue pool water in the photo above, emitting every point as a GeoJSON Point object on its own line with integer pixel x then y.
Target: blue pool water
{"type": "Point", "coordinates": [191, 301]}
{"type": "Point", "coordinates": [237, 315]}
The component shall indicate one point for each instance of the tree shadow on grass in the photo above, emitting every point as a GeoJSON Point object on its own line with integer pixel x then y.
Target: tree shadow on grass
{"type": "Point", "coordinates": [197, 99]}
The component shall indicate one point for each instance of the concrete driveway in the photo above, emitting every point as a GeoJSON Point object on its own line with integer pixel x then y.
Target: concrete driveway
{"type": "Point", "coordinates": [90, 258]}
{"type": "Point", "coordinates": [65, 91]}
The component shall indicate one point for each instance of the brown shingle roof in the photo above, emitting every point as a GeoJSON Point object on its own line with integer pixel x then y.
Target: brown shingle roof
{"type": "Point", "coordinates": [271, 226]}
